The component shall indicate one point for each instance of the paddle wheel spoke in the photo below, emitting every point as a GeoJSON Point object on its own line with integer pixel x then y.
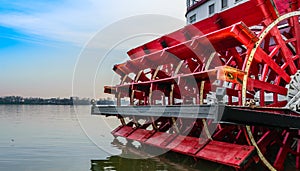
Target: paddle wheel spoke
{"type": "Point", "coordinates": [298, 151]}
{"type": "Point", "coordinates": [273, 65]}
{"type": "Point", "coordinates": [268, 87]}
{"type": "Point", "coordinates": [295, 28]}
{"type": "Point", "coordinates": [283, 151]}
{"type": "Point", "coordinates": [285, 52]}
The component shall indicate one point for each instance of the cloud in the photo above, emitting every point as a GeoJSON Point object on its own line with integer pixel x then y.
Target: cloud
{"type": "Point", "coordinates": [53, 26]}
{"type": "Point", "coordinates": [76, 21]}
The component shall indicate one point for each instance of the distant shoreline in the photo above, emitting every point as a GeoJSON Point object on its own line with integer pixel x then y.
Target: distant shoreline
{"type": "Point", "coordinates": [18, 100]}
{"type": "Point", "coordinates": [15, 104]}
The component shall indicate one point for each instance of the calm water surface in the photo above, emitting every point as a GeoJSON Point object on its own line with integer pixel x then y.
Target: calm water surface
{"type": "Point", "coordinates": [44, 138]}
{"type": "Point", "coordinates": [50, 138]}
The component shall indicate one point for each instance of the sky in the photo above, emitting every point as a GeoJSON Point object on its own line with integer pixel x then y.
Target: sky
{"type": "Point", "coordinates": [42, 43]}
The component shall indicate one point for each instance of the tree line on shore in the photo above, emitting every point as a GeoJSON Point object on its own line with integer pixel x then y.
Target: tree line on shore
{"type": "Point", "coordinates": [52, 101]}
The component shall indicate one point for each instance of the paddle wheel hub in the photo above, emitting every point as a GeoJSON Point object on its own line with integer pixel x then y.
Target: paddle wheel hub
{"type": "Point", "coordinates": [293, 96]}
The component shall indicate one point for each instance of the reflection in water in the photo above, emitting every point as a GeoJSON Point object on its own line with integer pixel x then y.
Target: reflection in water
{"type": "Point", "coordinates": [123, 164]}
{"type": "Point", "coordinates": [166, 162]}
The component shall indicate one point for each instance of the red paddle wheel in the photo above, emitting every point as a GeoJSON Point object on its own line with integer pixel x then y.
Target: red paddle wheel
{"type": "Point", "coordinates": [225, 89]}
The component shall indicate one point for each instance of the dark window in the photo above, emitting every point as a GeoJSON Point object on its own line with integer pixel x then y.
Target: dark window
{"type": "Point", "coordinates": [195, 2]}
{"type": "Point", "coordinates": [211, 9]}
{"type": "Point", "coordinates": [193, 18]}
{"type": "Point", "coordinates": [190, 3]}
{"type": "Point", "coordinates": [236, 1]}
{"type": "Point", "coordinates": [224, 3]}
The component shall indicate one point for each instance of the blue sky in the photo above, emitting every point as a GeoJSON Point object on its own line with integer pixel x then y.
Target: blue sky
{"type": "Point", "coordinates": [40, 40]}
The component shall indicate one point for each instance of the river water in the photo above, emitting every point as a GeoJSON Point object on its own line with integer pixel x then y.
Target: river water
{"type": "Point", "coordinates": [62, 138]}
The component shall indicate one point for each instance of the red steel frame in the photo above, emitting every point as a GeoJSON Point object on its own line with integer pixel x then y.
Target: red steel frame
{"type": "Point", "coordinates": [253, 49]}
